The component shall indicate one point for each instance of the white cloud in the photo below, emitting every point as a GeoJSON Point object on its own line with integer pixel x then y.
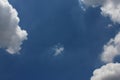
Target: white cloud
{"type": "Point", "coordinates": [109, 8]}
{"type": "Point", "coordinates": [110, 71]}
{"type": "Point", "coordinates": [58, 49]}
{"type": "Point", "coordinates": [11, 35]}
{"type": "Point", "coordinates": [111, 49]}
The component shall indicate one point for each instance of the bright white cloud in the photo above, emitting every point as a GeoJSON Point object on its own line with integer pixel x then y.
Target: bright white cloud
{"type": "Point", "coordinates": [111, 8]}
{"type": "Point", "coordinates": [11, 35]}
{"type": "Point", "coordinates": [58, 49]}
{"type": "Point", "coordinates": [110, 71]}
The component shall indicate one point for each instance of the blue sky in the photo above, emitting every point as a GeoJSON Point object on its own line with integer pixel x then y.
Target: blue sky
{"type": "Point", "coordinates": [61, 27]}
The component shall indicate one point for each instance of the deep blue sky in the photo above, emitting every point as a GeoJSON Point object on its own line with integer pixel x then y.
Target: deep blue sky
{"type": "Point", "coordinates": [48, 23]}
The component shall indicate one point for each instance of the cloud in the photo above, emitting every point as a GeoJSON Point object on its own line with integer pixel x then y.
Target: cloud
{"type": "Point", "coordinates": [111, 49]}
{"type": "Point", "coordinates": [109, 8]}
{"type": "Point", "coordinates": [11, 35]}
{"type": "Point", "coordinates": [58, 49]}
{"type": "Point", "coordinates": [110, 71]}
{"type": "Point", "coordinates": [82, 5]}
{"type": "Point", "coordinates": [109, 26]}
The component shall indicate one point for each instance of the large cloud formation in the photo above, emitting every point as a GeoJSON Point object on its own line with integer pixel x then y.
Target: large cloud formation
{"type": "Point", "coordinates": [110, 71]}
{"type": "Point", "coordinates": [11, 35]}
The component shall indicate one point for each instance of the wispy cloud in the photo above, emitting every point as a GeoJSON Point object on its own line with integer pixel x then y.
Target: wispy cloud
{"type": "Point", "coordinates": [82, 5]}
{"type": "Point", "coordinates": [58, 49]}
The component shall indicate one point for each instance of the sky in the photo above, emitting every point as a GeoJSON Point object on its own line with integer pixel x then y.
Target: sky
{"type": "Point", "coordinates": [59, 39]}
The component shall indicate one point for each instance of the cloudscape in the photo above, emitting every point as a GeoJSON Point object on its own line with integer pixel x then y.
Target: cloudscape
{"type": "Point", "coordinates": [110, 71]}
{"type": "Point", "coordinates": [59, 40]}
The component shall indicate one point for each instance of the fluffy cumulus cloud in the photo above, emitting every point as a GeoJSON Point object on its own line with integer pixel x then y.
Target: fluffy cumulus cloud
{"type": "Point", "coordinates": [111, 8]}
{"type": "Point", "coordinates": [111, 49]}
{"type": "Point", "coordinates": [11, 35]}
{"type": "Point", "coordinates": [110, 71]}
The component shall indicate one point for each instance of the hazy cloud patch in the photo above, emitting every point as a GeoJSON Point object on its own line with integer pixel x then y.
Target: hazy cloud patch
{"type": "Point", "coordinates": [57, 49]}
